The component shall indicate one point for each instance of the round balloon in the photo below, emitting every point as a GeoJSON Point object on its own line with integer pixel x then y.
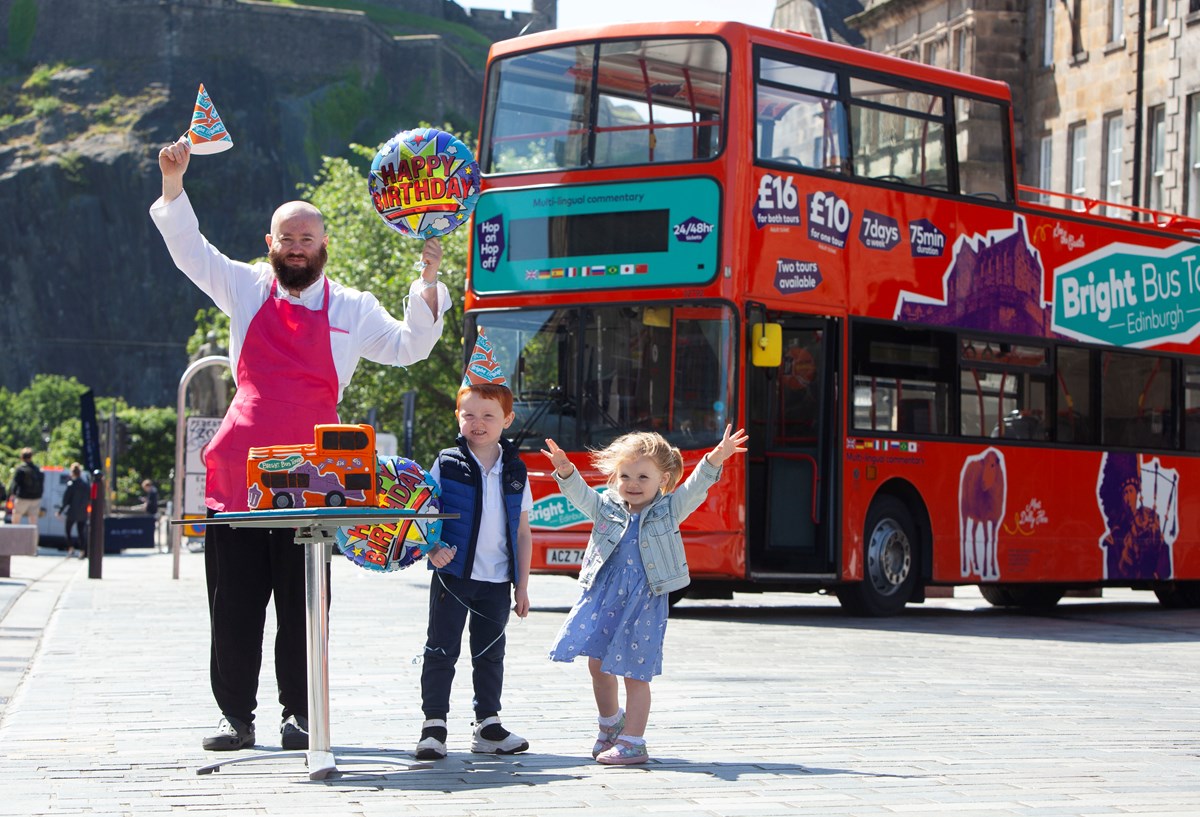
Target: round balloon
{"type": "Point", "coordinates": [395, 545]}
{"type": "Point", "coordinates": [424, 182]}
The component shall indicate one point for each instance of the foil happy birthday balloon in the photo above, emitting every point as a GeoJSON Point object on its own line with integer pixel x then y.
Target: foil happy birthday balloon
{"type": "Point", "coordinates": [395, 545]}
{"type": "Point", "coordinates": [424, 183]}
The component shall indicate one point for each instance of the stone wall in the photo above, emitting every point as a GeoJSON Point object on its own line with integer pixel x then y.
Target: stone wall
{"type": "Point", "coordinates": [90, 289]}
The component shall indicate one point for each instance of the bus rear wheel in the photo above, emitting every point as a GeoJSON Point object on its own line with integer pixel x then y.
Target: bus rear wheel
{"type": "Point", "coordinates": [890, 562]}
{"type": "Point", "coordinates": [1029, 597]}
{"type": "Point", "coordinates": [1178, 595]}
{"type": "Point", "coordinates": [282, 501]}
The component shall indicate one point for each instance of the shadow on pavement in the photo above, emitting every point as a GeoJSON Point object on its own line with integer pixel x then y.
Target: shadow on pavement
{"type": "Point", "coordinates": [1088, 622]}
{"type": "Point", "coordinates": [456, 775]}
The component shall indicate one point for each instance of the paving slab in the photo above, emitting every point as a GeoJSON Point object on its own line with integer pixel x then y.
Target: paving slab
{"type": "Point", "coordinates": [770, 704]}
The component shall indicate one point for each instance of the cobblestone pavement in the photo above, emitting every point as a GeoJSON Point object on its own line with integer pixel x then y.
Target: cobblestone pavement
{"type": "Point", "coordinates": [771, 704]}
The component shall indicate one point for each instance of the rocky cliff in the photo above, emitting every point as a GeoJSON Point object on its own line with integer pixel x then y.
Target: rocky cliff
{"type": "Point", "coordinates": [90, 91]}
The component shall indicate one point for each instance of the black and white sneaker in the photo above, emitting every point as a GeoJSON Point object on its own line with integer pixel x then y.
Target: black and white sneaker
{"type": "Point", "coordinates": [293, 733]}
{"type": "Point", "coordinates": [493, 739]}
{"type": "Point", "coordinates": [231, 735]}
{"type": "Point", "coordinates": [432, 745]}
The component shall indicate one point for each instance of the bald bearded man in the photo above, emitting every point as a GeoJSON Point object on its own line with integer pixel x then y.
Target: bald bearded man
{"type": "Point", "coordinates": [295, 340]}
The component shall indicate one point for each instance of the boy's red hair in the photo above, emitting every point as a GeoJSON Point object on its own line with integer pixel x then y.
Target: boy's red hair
{"type": "Point", "coordinates": [488, 391]}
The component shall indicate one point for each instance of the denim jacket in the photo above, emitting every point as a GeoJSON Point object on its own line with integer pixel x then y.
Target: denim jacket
{"type": "Point", "coordinates": [661, 545]}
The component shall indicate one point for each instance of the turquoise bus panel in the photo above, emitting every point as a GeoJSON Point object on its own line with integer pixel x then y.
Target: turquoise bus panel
{"type": "Point", "coordinates": [597, 236]}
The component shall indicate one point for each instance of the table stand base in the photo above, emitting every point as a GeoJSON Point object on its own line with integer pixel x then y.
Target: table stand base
{"type": "Point", "coordinates": [320, 764]}
{"type": "Point", "coordinates": [316, 529]}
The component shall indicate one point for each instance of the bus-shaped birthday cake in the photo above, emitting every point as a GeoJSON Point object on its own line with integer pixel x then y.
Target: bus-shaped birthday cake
{"type": "Point", "coordinates": [336, 469]}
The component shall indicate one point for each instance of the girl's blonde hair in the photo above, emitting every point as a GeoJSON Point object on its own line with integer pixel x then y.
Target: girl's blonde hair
{"type": "Point", "coordinates": [628, 447]}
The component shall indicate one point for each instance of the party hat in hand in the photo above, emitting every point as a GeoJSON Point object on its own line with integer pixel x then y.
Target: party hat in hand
{"type": "Point", "coordinates": [482, 367]}
{"type": "Point", "coordinates": [207, 132]}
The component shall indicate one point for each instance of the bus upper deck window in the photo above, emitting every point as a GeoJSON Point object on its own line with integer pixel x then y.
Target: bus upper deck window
{"type": "Point", "coordinates": [984, 169]}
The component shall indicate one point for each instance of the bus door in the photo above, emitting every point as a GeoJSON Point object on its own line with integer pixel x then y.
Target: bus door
{"type": "Point", "coordinates": [792, 426]}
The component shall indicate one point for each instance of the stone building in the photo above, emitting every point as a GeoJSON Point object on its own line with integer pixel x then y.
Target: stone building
{"type": "Point", "coordinates": [1105, 109]}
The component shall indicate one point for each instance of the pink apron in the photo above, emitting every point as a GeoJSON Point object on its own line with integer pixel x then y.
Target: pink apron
{"type": "Point", "coordinates": [287, 384]}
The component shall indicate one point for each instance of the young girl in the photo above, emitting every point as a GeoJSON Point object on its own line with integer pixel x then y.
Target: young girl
{"type": "Point", "coordinates": [634, 559]}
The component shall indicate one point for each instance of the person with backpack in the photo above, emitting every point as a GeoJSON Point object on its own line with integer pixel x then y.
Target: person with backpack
{"type": "Point", "coordinates": [26, 490]}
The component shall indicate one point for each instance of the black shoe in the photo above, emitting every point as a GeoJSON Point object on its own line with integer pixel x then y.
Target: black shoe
{"type": "Point", "coordinates": [293, 732]}
{"type": "Point", "coordinates": [231, 735]}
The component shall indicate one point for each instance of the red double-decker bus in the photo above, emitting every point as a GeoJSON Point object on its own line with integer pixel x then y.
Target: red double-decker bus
{"type": "Point", "coordinates": [690, 224]}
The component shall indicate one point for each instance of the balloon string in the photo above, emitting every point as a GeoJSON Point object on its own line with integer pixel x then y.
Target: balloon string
{"type": "Point", "coordinates": [418, 659]}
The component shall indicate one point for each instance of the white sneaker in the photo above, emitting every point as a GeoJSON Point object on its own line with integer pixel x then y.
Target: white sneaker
{"type": "Point", "coordinates": [431, 746]}
{"type": "Point", "coordinates": [499, 741]}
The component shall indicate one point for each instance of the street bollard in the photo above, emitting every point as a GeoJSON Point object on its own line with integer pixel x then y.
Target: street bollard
{"type": "Point", "coordinates": [96, 527]}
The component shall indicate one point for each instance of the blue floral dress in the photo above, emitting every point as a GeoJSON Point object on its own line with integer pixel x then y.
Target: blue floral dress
{"type": "Point", "coordinates": [618, 620]}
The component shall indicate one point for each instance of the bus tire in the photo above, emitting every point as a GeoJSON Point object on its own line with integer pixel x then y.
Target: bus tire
{"type": "Point", "coordinates": [1178, 595]}
{"type": "Point", "coordinates": [281, 501]}
{"type": "Point", "coordinates": [1032, 598]}
{"type": "Point", "coordinates": [997, 596]}
{"type": "Point", "coordinates": [890, 562]}
{"type": "Point", "coordinates": [334, 499]}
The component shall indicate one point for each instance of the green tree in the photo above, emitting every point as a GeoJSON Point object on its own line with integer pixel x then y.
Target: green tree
{"type": "Point", "coordinates": [45, 417]}
{"type": "Point", "coordinates": [27, 416]}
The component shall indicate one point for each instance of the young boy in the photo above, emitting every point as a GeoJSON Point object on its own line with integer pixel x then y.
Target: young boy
{"type": "Point", "coordinates": [482, 552]}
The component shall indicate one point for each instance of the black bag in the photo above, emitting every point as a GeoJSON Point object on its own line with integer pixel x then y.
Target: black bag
{"type": "Point", "coordinates": [32, 482]}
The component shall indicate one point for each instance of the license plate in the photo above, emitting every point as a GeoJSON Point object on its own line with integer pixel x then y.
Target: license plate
{"type": "Point", "coordinates": [564, 556]}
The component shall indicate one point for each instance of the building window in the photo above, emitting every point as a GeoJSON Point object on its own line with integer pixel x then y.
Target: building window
{"type": "Point", "coordinates": [1076, 21]}
{"type": "Point", "coordinates": [1116, 21]}
{"type": "Point", "coordinates": [1114, 143]}
{"type": "Point", "coordinates": [935, 53]}
{"type": "Point", "coordinates": [1045, 166]}
{"type": "Point", "coordinates": [1192, 180]}
{"type": "Point", "coordinates": [1048, 34]}
{"type": "Point", "coordinates": [1077, 161]}
{"type": "Point", "coordinates": [1156, 157]}
{"type": "Point", "coordinates": [1158, 13]}
{"type": "Point", "coordinates": [960, 50]}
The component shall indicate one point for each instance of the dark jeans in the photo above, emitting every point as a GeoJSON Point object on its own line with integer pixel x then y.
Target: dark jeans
{"type": "Point", "coordinates": [80, 530]}
{"type": "Point", "coordinates": [489, 604]}
{"type": "Point", "coordinates": [244, 568]}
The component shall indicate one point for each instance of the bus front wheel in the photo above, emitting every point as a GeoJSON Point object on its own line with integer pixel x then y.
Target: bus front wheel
{"type": "Point", "coordinates": [890, 562]}
{"type": "Point", "coordinates": [334, 499]}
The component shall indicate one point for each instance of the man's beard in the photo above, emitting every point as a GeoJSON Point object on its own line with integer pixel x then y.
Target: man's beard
{"type": "Point", "coordinates": [297, 278]}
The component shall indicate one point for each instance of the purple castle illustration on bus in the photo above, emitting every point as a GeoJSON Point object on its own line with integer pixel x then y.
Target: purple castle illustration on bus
{"type": "Point", "coordinates": [993, 283]}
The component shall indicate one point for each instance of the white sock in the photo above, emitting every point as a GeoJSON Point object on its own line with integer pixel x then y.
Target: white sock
{"type": "Point", "coordinates": [612, 720]}
{"type": "Point", "coordinates": [633, 741]}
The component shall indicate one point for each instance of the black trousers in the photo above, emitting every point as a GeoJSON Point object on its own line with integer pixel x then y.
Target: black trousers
{"type": "Point", "coordinates": [489, 604]}
{"type": "Point", "coordinates": [81, 531]}
{"type": "Point", "coordinates": [244, 568]}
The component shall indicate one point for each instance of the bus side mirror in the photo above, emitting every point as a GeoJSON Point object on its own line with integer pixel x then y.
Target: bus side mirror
{"type": "Point", "coordinates": [766, 345]}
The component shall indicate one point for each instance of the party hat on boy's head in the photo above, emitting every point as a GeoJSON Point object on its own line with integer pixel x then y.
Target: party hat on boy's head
{"type": "Point", "coordinates": [207, 132]}
{"type": "Point", "coordinates": [482, 367]}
